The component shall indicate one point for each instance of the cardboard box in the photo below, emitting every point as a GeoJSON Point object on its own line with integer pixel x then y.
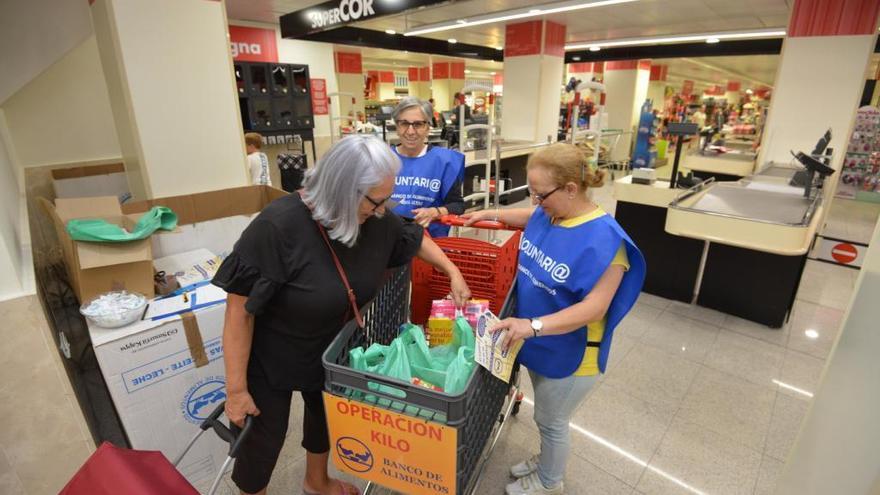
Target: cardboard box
{"type": "Point", "coordinates": [164, 376]}
{"type": "Point", "coordinates": [98, 267]}
{"type": "Point", "coordinates": [95, 268]}
{"type": "Point", "coordinates": [159, 389]}
{"type": "Point", "coordinates": [92, 181]}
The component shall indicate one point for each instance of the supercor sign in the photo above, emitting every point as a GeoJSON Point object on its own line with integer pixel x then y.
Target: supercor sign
{"type": "Point", "coordinates": [338, 13]}
{"type": "Point", "coordinates": [348, 10]}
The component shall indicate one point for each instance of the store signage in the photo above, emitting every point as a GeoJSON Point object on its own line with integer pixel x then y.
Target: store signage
{"type": "Point", "coordinates": [456, 70]}
{"type": "Point", "coordinates": [349, 63]}
{"type": "Point", "coordinates": [841, 252]}
{"type": "Point", "coordinates": [522, 39]}
{"type": "Point", "coordinates": [554, 39]}
{"type": "Point", "coordinates": [320, 104]}
{"type": "Point", "coordinates": [337, 13]}
{"type": "Point", "coordinates": [441, 70]}
{"type": "Point", "coordinates": [397, 451]}
{"type": "Point", "coordinates": [249, 44]}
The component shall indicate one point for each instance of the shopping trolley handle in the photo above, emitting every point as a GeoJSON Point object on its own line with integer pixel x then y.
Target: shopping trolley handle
{"type": "Point", "coordinates": [224, 432]}
{"type": "Point", "coordinates": [457, 221]}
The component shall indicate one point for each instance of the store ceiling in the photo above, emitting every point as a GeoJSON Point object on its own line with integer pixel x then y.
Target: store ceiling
{"type": "Point", "coordinates": [635, 19]}
{"type": "Point", "coordinates": [640, 18]}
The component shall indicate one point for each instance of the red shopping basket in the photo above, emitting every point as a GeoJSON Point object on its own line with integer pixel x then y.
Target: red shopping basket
{"type": "Point", "coordinates": [488, 269]}
{"type": "Point", "coordinates": [114, 470]}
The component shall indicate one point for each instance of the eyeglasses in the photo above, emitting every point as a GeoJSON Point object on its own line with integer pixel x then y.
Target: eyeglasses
{"type": "Point", "coordinates": [418, 125]}
{"type": "Point", "coordinates": [541, 197]}
{"type": "Point", "coordinates": [378, 204]}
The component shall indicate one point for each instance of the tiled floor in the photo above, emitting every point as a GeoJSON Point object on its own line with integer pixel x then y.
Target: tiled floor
{"type": "Point", "coordinates": [694, 401]}
{"type": "Point", "coordinates": [43, 439]}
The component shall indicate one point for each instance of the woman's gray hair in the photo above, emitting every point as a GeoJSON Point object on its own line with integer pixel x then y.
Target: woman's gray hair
{"type": "Point", "coordinates": [335, 186]}
{"type": "Point", "coordinates": [408, 102]}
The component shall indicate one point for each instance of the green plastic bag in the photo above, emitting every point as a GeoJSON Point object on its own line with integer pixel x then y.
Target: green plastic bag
{"type": "Point", "coordinates": [448, 366]}
{"type": "Point", "coordinates": [416, 346]}
{"type": "Point", "coordinates": [459, 371]}
{"type": "Point", "coordinates": [98, 230]}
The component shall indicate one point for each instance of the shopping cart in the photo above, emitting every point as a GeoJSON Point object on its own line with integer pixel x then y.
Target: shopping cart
{"type": "Point", "coordinates": [113, 470]}
{"type": "Point", "coordinates": [359, 415]}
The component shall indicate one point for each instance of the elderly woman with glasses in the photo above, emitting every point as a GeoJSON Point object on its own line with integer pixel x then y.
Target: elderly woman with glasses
{"type": "Point", "coordinates": [288, 281]}
{"type": "Point", "coordinates": [578, 275]}
{"type": "Point", "coordinates": [429, 182]}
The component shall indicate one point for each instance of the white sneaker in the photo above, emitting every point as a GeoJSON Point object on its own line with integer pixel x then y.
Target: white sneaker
{"type": "Point", "coordinates": [525, 467]}
{"type": "Point", "coordinates": [531, 485]}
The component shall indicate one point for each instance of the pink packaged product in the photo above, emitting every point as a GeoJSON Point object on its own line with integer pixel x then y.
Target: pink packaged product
{"type": "Point", "coordinates": [443, 308]}
{"type": "Point", "coordinates": [473, 309]}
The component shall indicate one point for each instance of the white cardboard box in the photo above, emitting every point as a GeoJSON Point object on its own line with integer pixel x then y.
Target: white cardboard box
{"type": "Point", "coordinates": [159, 393]}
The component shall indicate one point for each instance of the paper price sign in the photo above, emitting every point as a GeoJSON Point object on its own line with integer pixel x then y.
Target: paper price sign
{"type": "Point", "coordinates": [488, 352]}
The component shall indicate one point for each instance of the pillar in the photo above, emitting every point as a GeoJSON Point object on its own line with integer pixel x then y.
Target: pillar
{"type": "Point", "coordinates": [170, 81]}
{"type": "Point", "coordinates": [732, 94]}
{"type": "Point", "coordinates": [385, 88]}
{"type": "Point", "coordinates": [657, 85]}
{"type": "Point", "coordinates": [533, 70]}
{"type": "Point", "coordinates": [349, 79]}
{"type": "Point", "coordinates": [420, 82]}
{"type": "Point", "coordinates": [826, 52]}
{"type": "Point", "coordinates": [626, 88]}
{"type": "Point", "coordinates": [447, 78]}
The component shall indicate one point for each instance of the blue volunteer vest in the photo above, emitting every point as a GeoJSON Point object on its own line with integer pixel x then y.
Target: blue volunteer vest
{"type": "Point", "coordinates": [558, 267]}
{"type": "Point", "coordinates": [425, 181]}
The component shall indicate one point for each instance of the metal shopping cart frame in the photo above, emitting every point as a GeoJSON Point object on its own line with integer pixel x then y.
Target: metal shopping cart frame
{"type": "Point", "coordinates": [480, 412]}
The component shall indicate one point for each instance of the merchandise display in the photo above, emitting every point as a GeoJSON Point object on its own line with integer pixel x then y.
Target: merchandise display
{"type": "Point", "coordinates": [643, 155]}
{"type": "Point", "coordinates": [860, 178]}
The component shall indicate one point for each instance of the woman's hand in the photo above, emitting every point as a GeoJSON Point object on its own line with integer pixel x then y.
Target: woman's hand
{"type": "Point", "coordinates": [239, 405]}
{"type": "Point", "coordinates": [460, 290]}
{"type": "Point", "coordinates": [517, 329]}
{"type": "Point", "coordinates": [479, 216]}
{"type": "Point", "coordinates": [423, 216]}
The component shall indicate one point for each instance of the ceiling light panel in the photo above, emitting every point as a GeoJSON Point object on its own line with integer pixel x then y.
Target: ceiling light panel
{"type": "Point", "coordinates": [511, 15]}
{"type": "Point", "coordinates": [701, 37]}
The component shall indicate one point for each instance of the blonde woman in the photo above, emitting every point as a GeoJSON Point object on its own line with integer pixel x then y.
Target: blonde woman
{"type": "Point", "coordinates": [578, 275]}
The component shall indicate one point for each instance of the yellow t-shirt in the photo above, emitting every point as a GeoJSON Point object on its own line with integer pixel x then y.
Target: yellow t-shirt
{"type": "Point", "coordinates": [590, 364]}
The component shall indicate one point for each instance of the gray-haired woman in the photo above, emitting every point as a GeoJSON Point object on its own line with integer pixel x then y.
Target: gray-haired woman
{"type": "Point", "coordinates": [287, 299]}
{"type": "Point", "coordinates": [429, 182]}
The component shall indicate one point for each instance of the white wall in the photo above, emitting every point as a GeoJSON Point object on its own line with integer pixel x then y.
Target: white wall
{"type": "Point", "coordinates": [12, 261]}
{"type": "Point", "coordinates": [839, 442]}
{"type": "Point", "coordinates": [64, 114]}
{"type": "Point", "coordinates": [36, 33]}
{"type": "Point", "coordinates": [175, 76]}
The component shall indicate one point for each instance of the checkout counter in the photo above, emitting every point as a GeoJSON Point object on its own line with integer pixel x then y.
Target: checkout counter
{"type": "Point", "coordinates": [730, 166]}
{"type": "Point", "coordinates": [737, 247]}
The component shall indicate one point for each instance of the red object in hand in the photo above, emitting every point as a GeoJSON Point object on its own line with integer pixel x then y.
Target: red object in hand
{"type": "Point", "coordinates": [457, 221]}
{"type": "Point", "coordinates": [112, 470]}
